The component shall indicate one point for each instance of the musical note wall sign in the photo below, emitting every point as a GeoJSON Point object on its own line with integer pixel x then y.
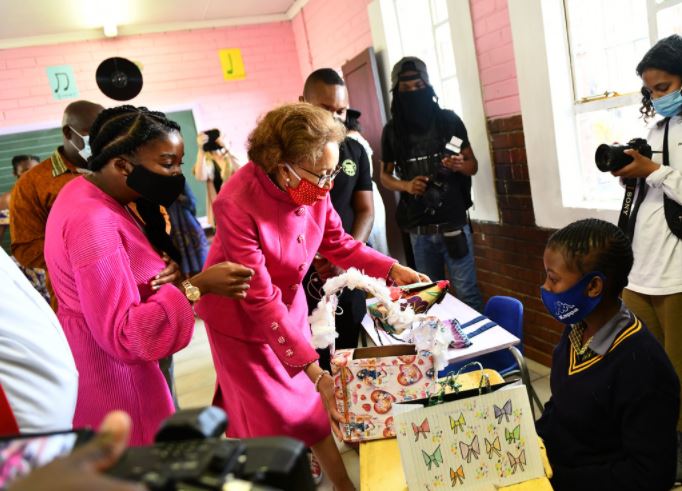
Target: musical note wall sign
{"type": "Point", "coordinates": [232, 64]}
{"type": "Point", "coordinates": [62, 82]}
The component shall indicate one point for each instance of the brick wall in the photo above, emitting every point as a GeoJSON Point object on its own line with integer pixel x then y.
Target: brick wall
{"type": "Point", "coordinates": [329, 33]}
{"type": "Point", "coordinates": [180, 69]}
{"type": "Point", "coordinates": [509, 254]}
{"type": "Point", "coordinates": [495, 53]}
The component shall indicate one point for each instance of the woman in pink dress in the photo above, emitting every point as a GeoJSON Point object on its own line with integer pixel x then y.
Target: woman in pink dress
{"type": "Point", "coordinates": [273, 216]}
{"type": "Point", "coordinates": [117, 304]}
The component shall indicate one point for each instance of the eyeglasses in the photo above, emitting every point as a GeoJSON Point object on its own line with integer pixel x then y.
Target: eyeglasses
{"type": "Point", "coordinates": [322, 179]}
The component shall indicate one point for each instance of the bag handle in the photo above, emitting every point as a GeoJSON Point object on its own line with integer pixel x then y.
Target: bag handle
{"type": "Point", "coordinates": [322, 320]}
{"type": "Point", "coordinates": [451, 382]}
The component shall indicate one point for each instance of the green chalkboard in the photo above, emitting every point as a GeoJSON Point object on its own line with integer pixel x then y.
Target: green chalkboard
{"type": "Point", "coordinates": [43, 142]}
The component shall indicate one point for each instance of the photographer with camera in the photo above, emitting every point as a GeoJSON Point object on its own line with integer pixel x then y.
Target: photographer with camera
{"type": "Point", "coordinates": [652, 210]}
{"type": "Point", "coordinates": [214, 165]}
{"type": "Point", "coordinates": [429, 148]}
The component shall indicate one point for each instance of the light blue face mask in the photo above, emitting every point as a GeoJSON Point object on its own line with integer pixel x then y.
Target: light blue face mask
{"type": "Point", "coordinates": [668, 105]}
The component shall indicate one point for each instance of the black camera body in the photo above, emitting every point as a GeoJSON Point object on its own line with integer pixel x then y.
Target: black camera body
{"type": "Point", "coordinates": [610, 158]}
{"type": "Point", "coordinates": [190, 455]}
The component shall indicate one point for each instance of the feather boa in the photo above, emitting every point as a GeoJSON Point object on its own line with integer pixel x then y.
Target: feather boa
{"type": "Point", "coordinates": [426, 332]}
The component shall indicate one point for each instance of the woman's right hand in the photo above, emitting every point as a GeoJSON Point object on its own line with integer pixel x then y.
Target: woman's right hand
{"type": "Point", "coordinates": [226, 279]}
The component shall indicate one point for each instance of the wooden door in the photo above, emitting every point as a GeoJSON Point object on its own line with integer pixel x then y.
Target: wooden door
{"type": "Point", "coordinates": [364, 92]}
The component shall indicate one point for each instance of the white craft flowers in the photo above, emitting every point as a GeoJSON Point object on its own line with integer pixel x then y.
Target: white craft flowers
{"type": "Point", "coordinates": [426, 332]}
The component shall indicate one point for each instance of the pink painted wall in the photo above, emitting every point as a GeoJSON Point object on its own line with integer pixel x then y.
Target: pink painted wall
{"type": "Point", "coordinates": [495, 53]}
{"type": "Point", "coordinates": [329, 33]}
{"type": "Point", "coordinates": [181, 70]}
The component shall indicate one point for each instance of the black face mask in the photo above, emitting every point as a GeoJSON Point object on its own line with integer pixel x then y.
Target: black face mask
{"type": "Point", "coordinates": [159, 189]}
{"type": "Point", "coordinates": [417, 107]}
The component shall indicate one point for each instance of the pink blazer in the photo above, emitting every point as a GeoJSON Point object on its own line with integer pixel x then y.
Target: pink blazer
{"type": "Point", "coordinates": [100, 265]}
{"type": "Point", "coordinates": [259, 226]}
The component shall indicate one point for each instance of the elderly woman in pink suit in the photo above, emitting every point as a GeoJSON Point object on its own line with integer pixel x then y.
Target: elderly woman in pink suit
{"type": "Point", "coordinates": [118, 306]}
{"type": "Point", "coordinates": [272, 217]}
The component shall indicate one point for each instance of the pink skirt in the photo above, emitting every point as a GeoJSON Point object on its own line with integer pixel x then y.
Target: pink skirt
{"type": "Point", "coordinates": [260, 397]}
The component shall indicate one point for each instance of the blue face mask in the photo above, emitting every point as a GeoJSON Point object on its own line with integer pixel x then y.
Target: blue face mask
{"type": "Point", "coordinates": [572, 305]}
{"type": "Point", "coordinates": [668, 105]}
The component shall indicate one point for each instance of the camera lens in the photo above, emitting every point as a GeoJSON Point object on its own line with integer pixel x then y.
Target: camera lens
{"type": "Point", "coordinates": [602, 157]}
{"type": "Point", "coordinates": [611, 157]}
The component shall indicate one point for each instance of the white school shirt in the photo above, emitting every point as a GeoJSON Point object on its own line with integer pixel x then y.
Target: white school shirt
{"type": "Point", "coordinates": [658, 253]}
{"type": "Point", "coordinates": [37, 371]}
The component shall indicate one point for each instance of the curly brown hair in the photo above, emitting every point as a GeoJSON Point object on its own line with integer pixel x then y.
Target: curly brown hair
{"type": "Point", "coordinates": [293, 134]}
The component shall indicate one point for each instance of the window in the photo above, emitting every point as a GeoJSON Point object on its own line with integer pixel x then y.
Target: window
{"type": "Point", "coordinates": [414, 24]}
{"type": "Point", "coordinates": [574, 63]}
{"type": "Point", "coordinates": [606, 40]}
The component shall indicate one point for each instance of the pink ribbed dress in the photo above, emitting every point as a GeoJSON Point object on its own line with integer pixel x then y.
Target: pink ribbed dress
{"type": "Point", "coordinates": [100, 265]}
{"type": "Point", "coordinates": [261, 344]}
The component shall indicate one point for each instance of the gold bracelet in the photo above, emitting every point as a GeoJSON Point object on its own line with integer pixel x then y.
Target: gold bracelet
{"type": "Point", "coordinates": [319, 377]}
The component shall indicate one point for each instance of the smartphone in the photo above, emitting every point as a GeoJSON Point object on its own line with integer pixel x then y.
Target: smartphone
{"type": "Point", "coordinates": [212, 144]}
{"type": "Point", "coordinates": [454, 146]}
{"type": "Point", "coordinates": [20, 454]}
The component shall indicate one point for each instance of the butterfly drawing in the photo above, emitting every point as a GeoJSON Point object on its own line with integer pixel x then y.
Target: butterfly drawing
{"type": "Point", "coordinates": [493, 446]}
{"type": "Point", "coordinates": [422, 429]}
{"type": "Point", "coordinates": [503, 412]}
{"type": "Point", "coordinates": [457, 424]}
{"type": "Point", "coordinates": [519, 461]}
{"type": "Point", "coordinates": [435, 458]}
{"type": "Point", "coordinates": [514, 435]}
{"type": "Point", "coordinates": [467, 451]}
{"type": "Point", "coordinates": [457, 475]}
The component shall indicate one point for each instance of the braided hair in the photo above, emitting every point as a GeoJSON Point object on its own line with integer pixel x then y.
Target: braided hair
{"type": "Point", "coordinates": [665, 55]}
{"type": "Point", "coordinates": [596, 245]}
{"type": "Point", "coordinates": [122, 130]}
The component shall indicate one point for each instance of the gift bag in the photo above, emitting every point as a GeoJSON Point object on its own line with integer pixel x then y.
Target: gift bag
{"type": "Point", "coordinates": [369, 381]}
{"type": "Point", "coordinates": [421, 297]}
{"type": "Point", "coordinates": [469, 440]}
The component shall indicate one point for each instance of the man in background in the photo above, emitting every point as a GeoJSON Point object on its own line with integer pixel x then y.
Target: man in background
{"type": "Point", "coordinates": [428, 150]}
{"type": "Point", "coordinates": [352, 198]}
{"type": "Point", "coordinates": [35, 193]}
{"type": "Point", "coordinates": [20, 165]}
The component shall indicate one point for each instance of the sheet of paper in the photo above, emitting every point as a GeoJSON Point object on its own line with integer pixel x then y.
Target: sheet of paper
{"type": "Point", "coordinates": [470, 444]}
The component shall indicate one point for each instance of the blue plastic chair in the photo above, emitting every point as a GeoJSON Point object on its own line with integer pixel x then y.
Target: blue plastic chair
{"type": "Point", "coordinates": [508, 313]}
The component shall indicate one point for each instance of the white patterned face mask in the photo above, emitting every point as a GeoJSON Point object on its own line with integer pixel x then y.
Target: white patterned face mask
{"type": "Point", "coordinates": [84, 152]}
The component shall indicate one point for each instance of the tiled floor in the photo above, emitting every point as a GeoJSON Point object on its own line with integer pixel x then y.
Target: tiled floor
{"type": "Point", "coordinates": [195, 380]}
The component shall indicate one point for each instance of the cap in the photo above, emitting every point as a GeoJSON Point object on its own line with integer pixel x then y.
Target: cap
{"type": "Point", "coordinates": [406, 64]}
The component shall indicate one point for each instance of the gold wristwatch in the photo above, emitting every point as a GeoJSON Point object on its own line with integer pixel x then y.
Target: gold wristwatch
{"type": "Point", "coordinates": [191, 292]}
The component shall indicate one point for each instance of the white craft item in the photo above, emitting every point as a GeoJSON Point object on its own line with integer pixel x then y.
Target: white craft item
{"type": "Point", "coordinates": [426, 332]}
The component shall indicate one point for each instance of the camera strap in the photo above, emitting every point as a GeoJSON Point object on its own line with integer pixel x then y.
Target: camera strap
{"type": "Point", "coordinates": [635, 191]}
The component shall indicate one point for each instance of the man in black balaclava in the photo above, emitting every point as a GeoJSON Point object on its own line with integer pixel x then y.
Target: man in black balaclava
{"type": "Point", "coordinates": [427, 157]}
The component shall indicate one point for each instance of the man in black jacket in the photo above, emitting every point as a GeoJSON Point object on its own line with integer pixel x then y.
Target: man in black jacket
{"type": "Point", "coordinates": [352, 200]}
{"type": "Point", "coordinates": [427, 158]}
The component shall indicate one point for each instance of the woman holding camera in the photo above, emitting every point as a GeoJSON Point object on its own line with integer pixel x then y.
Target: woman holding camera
{"type": "Point", "coordinates": [273, 216]}
{"type": "Point", "coordinates": [119, 304]}
{"type": "Point", "coordinates": [654, 291]}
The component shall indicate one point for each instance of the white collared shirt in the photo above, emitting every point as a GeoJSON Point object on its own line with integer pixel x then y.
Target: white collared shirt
{"type": "Point", "coordinates": [658, 252]}
{"type": "Point", "coordinates": [37, 371]}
